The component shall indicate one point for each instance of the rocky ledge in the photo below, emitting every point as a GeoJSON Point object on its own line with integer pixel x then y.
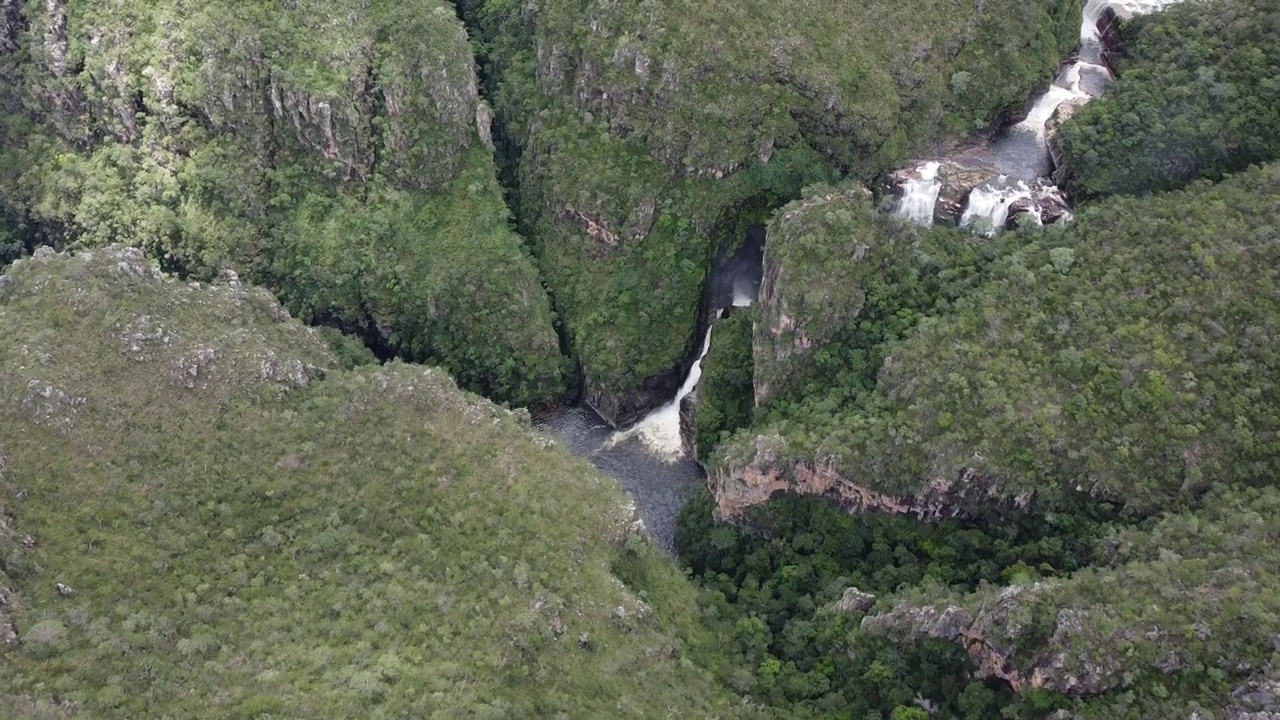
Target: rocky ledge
{"type": "Point", "coordinates": [957, 179]}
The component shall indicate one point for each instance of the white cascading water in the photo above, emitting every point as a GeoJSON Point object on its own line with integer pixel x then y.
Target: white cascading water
{"type": "Point", "coordinates": [920, 195]}
{"type": "Point", "coordinates": [988, 208]}
{"type": "Point", "coordinates": [1065, 88]}
{"type": "Point", "coordinates": [988, 205]}
{"type": "Point", "coordinates": [660, 429]}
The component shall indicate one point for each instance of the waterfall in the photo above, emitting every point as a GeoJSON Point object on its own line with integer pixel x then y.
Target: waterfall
{"type": "Point", "coordinates": [660, 429]}
{"type": "Point", "coordinates": [1022, 150]}
{"type": "Point", "coordinates": [1066, 87]}
{"type": "Point", "coordinates": [920, 195]}
{"type": "Point", "coordinates": [988, 208]}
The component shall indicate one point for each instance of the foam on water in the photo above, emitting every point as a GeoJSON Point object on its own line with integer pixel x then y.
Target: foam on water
{"type": "Point", "coordinates": [920, 195]}
{"type": "Point", "coordinates": [988, 208]}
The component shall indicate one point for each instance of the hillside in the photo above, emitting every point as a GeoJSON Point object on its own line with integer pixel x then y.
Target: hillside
{"type": "Point", "coordinates": [336, 153]}
{"type": "Point", "coordinates": [248, 531]}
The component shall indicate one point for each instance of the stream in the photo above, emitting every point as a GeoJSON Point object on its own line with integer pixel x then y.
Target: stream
{"type": "Point", "coordinates": [1016, 166]}
{"type": "Point", "coordinates": [1014, 176]}
{"type": "Point", "coordinates": [649, 458]}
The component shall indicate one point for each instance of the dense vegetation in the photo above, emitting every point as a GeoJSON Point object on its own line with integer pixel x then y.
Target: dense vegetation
{"type": "Point", "coordinates": [1128, 356]}
{"type": "Point", "coordinates": [683, 114]}
{"type": "Point", "coordinates": [1032, 476]}
{"type": "Point", "coordinates": [1045, 386]}
{"type": "Point", "coordinates": [333, 152]}
{"type": "Point", "coordinates": [783, 575]}
{"type": "Point", "coordinates": [1198, 96]}
{"type": "Point", "coordinates": [249, 532]}
{"type": "Point", "coordinates": [725, 401]}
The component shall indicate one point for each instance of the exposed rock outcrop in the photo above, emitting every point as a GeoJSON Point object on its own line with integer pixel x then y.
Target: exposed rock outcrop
{"type": "Point", "coordinates": [1257, 699]}
{"type": "Point", "coordinates": [996, 632]}
{"type": "Point", "coordinates": [960, 176]}
{"type": "Point", "coordinates": [739, 486]}
{"type": "Point", "coordinates": [958, 181]}
{"type": "Point", "coordinates": [854, 601]}
{"type": "Point", "coordinates": [1061, 114]}
{"type": "Point", "coordinates": [10, 25]}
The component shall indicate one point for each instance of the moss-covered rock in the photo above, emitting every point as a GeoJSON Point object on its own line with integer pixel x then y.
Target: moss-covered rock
{"type": "Point", "coordinates": [191, 487]}
{"type": "Point", "coordinates": [333, 152]}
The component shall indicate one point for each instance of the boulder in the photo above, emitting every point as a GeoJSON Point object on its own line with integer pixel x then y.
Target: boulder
{"type": "Point", "coordinates": [1047, 202]}
{"type": "Point", "coordinates": [1257, 699]}
{"type": "Point", "coordinates": [958, 180]}
{"type": "Point", "coordinates": [855, 601]}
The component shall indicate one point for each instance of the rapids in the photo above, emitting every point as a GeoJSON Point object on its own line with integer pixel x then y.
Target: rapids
{"type": "Point", "coordinates": [1019, 155]}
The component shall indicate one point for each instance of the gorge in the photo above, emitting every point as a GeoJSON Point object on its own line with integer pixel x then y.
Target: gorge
{"type": "Point", "coordinates": [543, 358]}
{"type": "Point", "coordinates": [653, 458]}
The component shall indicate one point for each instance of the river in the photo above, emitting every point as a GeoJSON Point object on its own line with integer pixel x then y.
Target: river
{"type": "Point", "coordinates": [648, 458]}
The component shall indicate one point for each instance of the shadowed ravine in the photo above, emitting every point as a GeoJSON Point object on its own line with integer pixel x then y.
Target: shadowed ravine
{"type": "Point", "coordinates": [649, 458]}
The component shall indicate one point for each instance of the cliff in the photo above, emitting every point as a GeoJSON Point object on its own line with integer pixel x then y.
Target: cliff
{"type": "Point", "coordinates": [333, 152]}
{"type": "Point", "coordinates": [1189, 603]}
{"type": "Point", "coordinates": [642, 134]}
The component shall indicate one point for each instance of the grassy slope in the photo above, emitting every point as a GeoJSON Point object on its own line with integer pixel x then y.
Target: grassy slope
{"type": "Point", "coordinates": [374, 544]}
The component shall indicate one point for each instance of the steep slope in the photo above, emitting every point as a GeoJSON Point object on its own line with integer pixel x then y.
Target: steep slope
{"type": "Point", "coordinates": [336, 152]}
{"type": "Point", "coordinates": [201, 517]}
{"type": "Point", "coordinates": [640, 132]}
{"type": "Point", "coordinates": [1128, 358]}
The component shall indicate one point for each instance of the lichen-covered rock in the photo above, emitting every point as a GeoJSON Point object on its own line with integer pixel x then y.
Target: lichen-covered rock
{"type": "Point", "coordinates": [1257, 699]}
{"type": "Point", "coordinates": [854, 601]}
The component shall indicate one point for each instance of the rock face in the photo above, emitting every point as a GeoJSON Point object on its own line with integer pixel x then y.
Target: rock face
{"type": "Point", "coordinates": [625, 407]}
{"type": "Point", "coordinates": [854, 601]}
{"type": "Point", "coordinates": [958, 181]}
{"type": "Point", "coordinates": [10, 25]}
{"type": "Point", "coordinates": [991, 633]}
{"type": "Point", "coordinates": [751, 481]}
{"type": "Point", "coordinates": [333, 151]}
{"type": "Point", "coordinates": [1152, 613]}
